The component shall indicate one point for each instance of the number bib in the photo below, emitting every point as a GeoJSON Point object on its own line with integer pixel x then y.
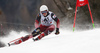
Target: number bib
{"type": "Point", "coordinates": [47, 21]}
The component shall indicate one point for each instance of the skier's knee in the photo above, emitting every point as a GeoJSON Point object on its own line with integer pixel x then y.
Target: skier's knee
{"type": "Point", "coordinates": [51, 28]}
{"type": "Point", "coordinates": [48, 31]}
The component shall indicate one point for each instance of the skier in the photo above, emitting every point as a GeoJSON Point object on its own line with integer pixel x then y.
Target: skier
{"type": "Point", "coordinates": [45, 28]}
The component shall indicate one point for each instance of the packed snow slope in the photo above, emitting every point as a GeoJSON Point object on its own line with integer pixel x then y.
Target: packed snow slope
{"type": "Point", "coordinates": [66, 42]}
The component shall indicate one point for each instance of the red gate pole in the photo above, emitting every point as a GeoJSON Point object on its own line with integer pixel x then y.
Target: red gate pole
{"type": "Point", "coordinates": [74, 19]}
{"type": "Point", "coordinates": [91, 15]}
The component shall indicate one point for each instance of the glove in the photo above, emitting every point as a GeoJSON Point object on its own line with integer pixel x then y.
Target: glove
{"type": "Point", "coordinates": [36, 32]}
{"type": "Point", "coordinates": [57, 31]}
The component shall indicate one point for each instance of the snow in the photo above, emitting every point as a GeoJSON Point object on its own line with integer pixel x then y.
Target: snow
{"type": "Point", "coordinates": [66, 42]}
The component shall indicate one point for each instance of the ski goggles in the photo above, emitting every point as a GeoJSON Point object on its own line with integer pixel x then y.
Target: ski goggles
{"type": "Point", "coordinates": [44, 11]}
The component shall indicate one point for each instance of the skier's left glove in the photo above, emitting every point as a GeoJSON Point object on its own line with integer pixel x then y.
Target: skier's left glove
{"type": "Point", "coordinates": [57, 31]}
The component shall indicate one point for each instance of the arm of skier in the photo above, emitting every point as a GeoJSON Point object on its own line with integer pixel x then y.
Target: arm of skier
{"type": "Point", "coordinates": [37, 21]}
{"type": "Point", "coordinates": [57, 23]}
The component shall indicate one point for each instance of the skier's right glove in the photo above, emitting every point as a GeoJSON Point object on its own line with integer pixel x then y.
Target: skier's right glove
{"type": "Point", "coordinates": [57, 31]}
{"type": "Point", "coordinates": [36, 32]}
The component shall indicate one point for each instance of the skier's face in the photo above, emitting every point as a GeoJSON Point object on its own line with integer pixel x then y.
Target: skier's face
{"type": "Point", "coordinates": [44, 13]}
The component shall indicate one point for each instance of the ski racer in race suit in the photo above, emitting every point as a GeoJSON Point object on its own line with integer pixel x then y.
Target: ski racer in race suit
{"type": "Point", "coordinates": [45, 28]}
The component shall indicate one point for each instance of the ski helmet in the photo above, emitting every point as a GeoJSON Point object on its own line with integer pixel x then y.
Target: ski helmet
{"type": "Point", "coordinates": [43, 8]}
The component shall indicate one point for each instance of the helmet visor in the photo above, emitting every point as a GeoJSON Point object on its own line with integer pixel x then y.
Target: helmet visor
{"type": "Point", "coordinates": [44, 11]}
